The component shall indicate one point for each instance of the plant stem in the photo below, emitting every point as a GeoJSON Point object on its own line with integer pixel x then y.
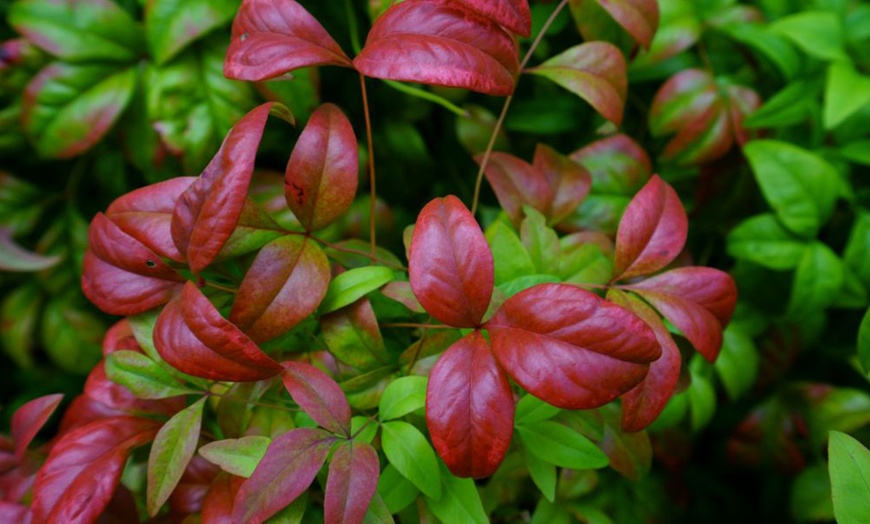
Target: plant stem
{"type": "Point", "coordinates": [358, 252]}
{"type": "Point", "coordinates": [427, 95]}
{"type": "Point", "coordinates": [507, 103]}
{"type": "Point", "coordinates": [372, 178]}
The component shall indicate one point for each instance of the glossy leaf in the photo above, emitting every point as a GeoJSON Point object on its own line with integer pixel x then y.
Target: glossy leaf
{"type": "Point", "coordinates": [171, 452]}
{"type": "Point", "coordinates": [569, 347]}
{"type": "Point", "coordinates": [764, 241]}
{"type": "Point", "coordinates": [171, 25]}
{"type": "Point", "coordinates": [561, 446]}
{"type": "Point", "coordinates": [318, 395]}
{"type": "Point", "coordinates": [512, 14]}
{"type": "Point", "coordinates": [193, 337]}
{"type": "Point", "coordinates": [144, 377]}
{"type": "Point", "coordinates": [409, 452]}
{"type": "Point", "coordinates": [470, 408]}
{"type": "Point", "coordinates": [352, 482]}
{"type": "Point", "coordinates": [84, 467]}
{"type": "Point", "coordinates": [652, 231]}
{"type": "Point", "coordinates": [288, 468]}
{"type": "Point", "coordinates": [352, 336]}
{"type": "Point", "coordinates": [352, 285]}
{"type": "Point", "coordinates": [510, 258]}
{"type": "Point", "coordinates": [271, 38]}
{"type": "Point", "coordinates": [459, 502]}
{"type": "Point", "coordinates": [239, 456]}
{"type": "Point", "coordinates": [819, 275]}
{"type": "Point", "coordinates": [322, 174]}
{"type": "Point", "coordinates": [13, 257]}
{"type": "Point", "coordinates": [438, 43]}
{"type": "Point", "coordinates": [29, 419]}
{"type": "Point", "coordinates": [639, 18]}
{"type": "Point", "coordinates": [450, 264]}
{"type": "Point", "coordinates": [70, 107]}
{"type": "Point", "coordinates": [517, 183]}
{"type": "Point", "coordinates": [849, 463]}
{"type": "Point", "coordinates": [402, 396]}
{"type": "Point", "coordinates": [698, 300]}
{"type": "Point", "coordinates": [569, 182]}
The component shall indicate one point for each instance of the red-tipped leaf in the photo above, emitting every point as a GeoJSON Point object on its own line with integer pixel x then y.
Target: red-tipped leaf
{"type": "Point", "coordinates": [639, 18]}
{"type": "Point", "coordinates": [322, 174]}
{"type": "Point", "coordinates": [652, 231]}
{"type": "Point", "coordinates": [318, 395]}
{"type": "Point", "coordinates": [569, 347]}
{"type": "Point", "coordinates": [470, 408]}
{"type": "Point", "coordinates": [450, 264]}
{"type": "Point", "coordinates": [439, 43]}
{"type": "Point", "coordinates": [29, 419]}
{"type": "Point", "coordinates": [353, 479]}
{"type": "Point", "coordinates": [569, 182]}
{"type": "Point", "coordinates": [517, 183]}
{"type": "Point", "coordinates": [272, 37]}
{"type": "Point", "coordinates": [512, 14]}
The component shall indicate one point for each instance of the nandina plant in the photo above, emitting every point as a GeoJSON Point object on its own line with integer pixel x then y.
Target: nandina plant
{"type": "Point", "coordinates": [262, 371]}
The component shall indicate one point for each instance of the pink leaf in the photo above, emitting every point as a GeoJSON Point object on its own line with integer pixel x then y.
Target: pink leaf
{"type": "Point", "coordinates": [652, 231]}
{"type": "Point", "coordinates": [569, 347]}
{"type": "Point", "coordinates": [11, 512]}
{"type": "Point", "coordinates": [470, 408]}
{"type": "Point", "coordinates": [273, 37]}
{"type": "Point", "coordinates": [512, 14]}
{"type": "Point", "coordinates": [83, 469]}
{"type": "Point", "coordinates": [698, 300]}
{"type": "Point", "coordinates": [13, 257]}
{"type": "Point", "coordinates": [517, 183]}
{"type": "Point", "coordinates": [437, 43]}
{"type": "Point", "coordinates": [193, 337]}
{"type": "Point", "coordinates": [639, 18]}
{"type": "Point", "coordinates": [323, 171]}
{"type": "Point", "coordinates": [288, 468]}
{"type": "Point", "coordinates": [29, 419]}
{"type": "Point", "coordinates": [643, 404]}
{"type": "Point", "coordinates": [353, 479]}
{"type": "Point", "coordinates": [450, 264]}
{"type": "Point", "coordinates": [618, 164]}
{"type": "Point", "coordinates": [318, 395]}
{"type": "Point", "coordinates": [286, 282]}
{"type": "Point", "coordinates": [569, 182]}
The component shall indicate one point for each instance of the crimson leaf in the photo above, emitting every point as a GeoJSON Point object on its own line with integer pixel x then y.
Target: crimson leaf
{"type": "Point", "coordinates": [29, 419]}
{"type": "Point", "coordinates": [450, 264]}
{"type": "Point", "coordinates": [569, 182]}
{"type": "Point", "coordinates": [353, 479]}
{"type": "Point", "coordinates": [318, 395]}
{"type": "Point", "coordinates": [513, 14]}
{"type": "Point", "coordinates": [470, 408]}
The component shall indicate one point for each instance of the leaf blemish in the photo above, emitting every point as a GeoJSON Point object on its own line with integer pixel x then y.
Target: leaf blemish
{"type": "Point", "coordinates": [299, 191]}
{"type": "Point", "coordinates": [243, 37]}
{"type": "Point", "coordinates": [150, 263]}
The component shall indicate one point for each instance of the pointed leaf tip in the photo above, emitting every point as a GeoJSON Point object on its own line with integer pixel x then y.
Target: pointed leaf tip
{"type": "Point", "coordinates": [318, 395]}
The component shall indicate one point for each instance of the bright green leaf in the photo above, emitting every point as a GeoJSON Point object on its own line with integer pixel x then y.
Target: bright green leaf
{"type": "Point", "coordinates": [762, 239]}
{"type": "Point", "coordinates": [701, 394]}
{"type": "Point", "coordinates": [171, 25]}
{"type": "Point", "coordinates": [459, 500]}
{"type": "Point", "coordinates": [543, 474]}
{"type": "Point", "coordinates": [849, 467]}
{"type": "Point", "coordinates": [811, 495]}
{"type": "Point", "coordinates": [846, 91]}
{"type": "Point", "coordinates": [857, 151]}
{"type": "Point", "coordinates": [363, 429]}
{"type": "Point", "coordinates": [818, 278]}
{"type": "Point", "coordinates": [410, 453]}
{"type": "Point", "coordinates": [397, 491]}
{"type": "Point", "coordinates": [239, 456]}
{"type": "Point", "coordinates": [817, 33]}
{"type": "Point", "coordinates": [522, 283]}
{"type": "Point", "coordinates": [772, 46]}
{"type": "Point", "coordinates": [540, 241]}
{"type": "Point", "coordinates": [561, 446]}
{"type": "Point", "coordinates": [531, 409]}
{"type": "Point", "coordinates": [402, 396]}
{"type": "Point", "coordinates": [738, 361]}
{"type": "Point", "coordinates": [508, 253]}
{"type": "Point", "coordinates": [144, 377]}
{"type": "Point", "coordinates": [841, 409]}
{"type": "Point", "coordinates": [794, 104]}
{"type": "Point", "coordinates": [353, 284]}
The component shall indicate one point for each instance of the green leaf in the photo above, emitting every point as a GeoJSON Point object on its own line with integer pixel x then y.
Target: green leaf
{"type": "Point", "coordinates": [508, 253]}
{"type": "Point", "coordinates": [857, 151]}
{"type": "Point", "coordinates": [19, 315]}
{"type": "Point", "coordinates": [818, 278]}
{"type": "Point", "coordinates": [584, 264]}
{"type": "Point", "coordinates": [794, 104]}
{"type": "Point", "coordinates": [543, 474]}
{"type": "Point", "coordinates": [363, 429]}
{"type": "Point", "coordinates": [811, 495]}
{"type": "Point", "coordinates": [849, 467]}
{"type": "Point", "coordinates": [840, 409]}
{"type": "Point", "coordinates": [864, 343]}
{"type": "Point", "coordinates": [459, 501]}
{"type": "Point", "coordinates": [531, 409]}
{"type": "Point", "coordinates": [762, 239]}
{"type": "Point", "coordinates": [799, 185]}
{"type": "Point", "coordinates": [701, 394]}
{"type": "Point", "coordinates": [71, 334]}
{"type": "Point", "coordinates": [772, 46]}
{"type": "Point", "coordinates": [144, 377]}
{"type": "Point", "coordinates": [525, 282]}
{"type": "Point", "coordinates": [817, 33]}
{"type": "Point", "coordinates": [857, 253]}
{"type": "Point", "coordinates": [846, 91]}
{"type": "Point", "coordinates": [561, 446]}
{"type": "Point", "coordinates": [171, 25]}
{"type": "Point", "coordinates": [348, 287]}
{"type": "Point", "coordinates": [171, 452]}
{"type": "Point", "coordinates": [540, 241]}
{"type": "Point", "coordinates": [69, 108]}
{"type": "Point", "coordinates": [397, 491]}
{"type": "Point", "coordinates": [239, 456]}
{"type": "Point", "coordinates": [79, 31]}
{"type": "Point", "coordinates": [402, 396]}
{"type": "Point", "coordinates": [738, 361]}
{"type": "Point", "coordinates": [410, 453]}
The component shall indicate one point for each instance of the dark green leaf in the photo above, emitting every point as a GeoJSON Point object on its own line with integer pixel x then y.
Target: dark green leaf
{"type": "Point", "coordinates": [171, 25]}
{"type": "Point", "coordinates": [561, 446]}
{"type": "Point", "coordinates": [818, 278]}
{"type": "Point", "coordinates": [762, 240]}
{"type": "Point", "coordinates": [19, 315]}
{"type": "Point", "coordinates": [402, 396]}
{"type": "Point", "coordinates": [237, 456]}
{"type": "Point", "coordinates": [849, 468]}
{"type": "Point", "coordinates": [864, 343]}
{"type": "Point", "coordinates": [811, 495]}
{"type": "Point", "coordinates": [144, 377]}
{"type": "Point", "coordinates": [410, 453]}
{"type": "Point", "coordinates": [701, 394]}
{"type": "Point", "coordinates": [71, 334]}
{"type": "Point", "coordinates": [352, 285]}
{"type": "Point", "coordinates": [840, 409]}
{"type": "Point", "coordinates": [857, 253]}
{"type": "Point", "coordinates": [738, 361]}
{"type": "Point", "coordinates": [459, 500]}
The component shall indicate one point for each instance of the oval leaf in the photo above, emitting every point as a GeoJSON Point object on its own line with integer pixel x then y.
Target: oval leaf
{"type": "Point", "coordinates": [353, 479]}
{"type": "Point", "coordinates": [450, 264]}
{"type": "Point", "coordinates": [436, 43]}
{"type": "Point", "coordinates": [318, 395]}
{"type": "Point", "coordinates": [171, 25]}
{"type": "Point", "coordinates": [29, 419]}
{"type": "Point", "coordinates": [561, 446]}
{"type": "Point", "coordinates": [470, 408]}
{"type": "Point", "coordinates": [849, 468]}
{"type": "Point", "coordinates": [569, 347]}
{"type": "Point", "coordinates": [569, 182]}
{"type": "Point", "coordinates": [352, 336]}
{"type": "Point", "coordinates": [352, 285]}
{"type": "Point", "coordinates": [239, 456]}
{"type": "Point", "coordinates": [512, 14]}
{"type": "Point", "coordinates": [517, 183]}
{"type": "Point", "coordinates": [144, 377]}
{"type": "Point", "coordinates": [409, 452]}
{"type": "Point", "coordinates": [402, 396]}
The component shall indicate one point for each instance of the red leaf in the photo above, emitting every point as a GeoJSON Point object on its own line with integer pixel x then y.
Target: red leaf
{"type": "Point", "coordinates": [318, 395]}
{"type": "Point", "coordinates": [643, 404]}
{"type": "Point", "coordinates": [288, 468]}
{"type": "Point", "coordinates": [434, 42]}
{"type": "Point", "coordinates": [286, 282]}
{"type": "Point", "coordinates": [120, 336]}
{"type": "Point", "coordinates": [189, 495]}
{"type": "Point", "coordinates": [273, 37]}
{"type": "Point", "coordinates": [569, 182]}
{"type": "Point", "coordinates": [323, 171]}
{"type": "Point", "coordinates": [513, 14]}
{"type": "Point", "coordinates": [217, 507]}
{"type": "Point", "coordinates": [193, 337]}
{"type": "Point", "coordinates": [652, 231]}
{"type": "Point", "coordinates": [29, 419]}
{"type": "Point", "coordinates": [83, 469]}
{"type": "Point", "coordinates": [517, 183]}
{"type": "Point", "coordinates": [208, 211]}
{"type": "Point", "coordinates": [146, 213]}
{"type": "Point", "coordinates": [11, 512]}
{"type": "Point", "coordinates": [639, 18]}
{"type": "Point", "coordinates": [353, 479]}
{"type": "Point", "coordinates": [450, 264]}
{"type": "Point", "coordinates": [121, 275]}
{"type": "Point", "coordinates": [569, 347]}
{"type": "Point", "coordinates": [698, 300]}
{"type": "Point", "coordinates": [470, 408]}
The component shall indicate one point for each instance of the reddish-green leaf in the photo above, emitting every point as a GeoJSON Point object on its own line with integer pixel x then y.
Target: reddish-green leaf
{"type": "Point", "coordinates": [13, 257]}
{"type": "Point", "coordinates": [639, 18]}
{"type": "Point", "coordinates": [470, 408]}
{"type": "Point", "coordinates": [698, 300]}
{"type": "Point", "coordinates": [353, 479]}
{"type": "Point", "coordinates": [237, 456]}
{"type": "Point", "coordinates": [652, 231]}
{"type": "Point", "coordinates": [171, 25]}
{"type": "Point", "coordinates": [286, 282]}
{"type": "Point", "coordinates": [569, 347]}
{"type": "Point", "coordinates": [318, 395]}
{"type": "Point", "coordinates": [352, 336]}
{"type": "Point", "coordinates": [512, 14]}
{"type": "Point", "coordinates": [288, 468]}
{"type": "Point", "coordinates": [450, 264]}
{"type": "Point", "coordinates": [322, 174]}
{"type": "Point", "coordinates": [516, 183]}
{"type": "Point", "coordinates": [273, 37]}
{"type": "Point", "coordinates": [83, 469]}
{"type": "Point", "coordinates": [438, 43]}
{"type": "Point", "coordinates": [171, 452]}
{"type": "Point", "coordinates": [569, 182]}
{"type": "Point", "coordinates": [193, 337]}
{"type": "Point", "coordinates": [594, 71]}
{"type": "Point", "coordinates": [217, 505]}
{"type": "Point", "coordinates": [29, 419]}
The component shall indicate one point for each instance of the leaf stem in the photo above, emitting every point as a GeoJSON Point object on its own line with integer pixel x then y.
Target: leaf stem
{"type": "Point", "coordinates": [427, 95]}
{"type": "Point", "coordinates": [507, 103]}
{"type": "Point", "coordinates": [368, 255]}
{"type": "Point", "coordinates": [372, 178]}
